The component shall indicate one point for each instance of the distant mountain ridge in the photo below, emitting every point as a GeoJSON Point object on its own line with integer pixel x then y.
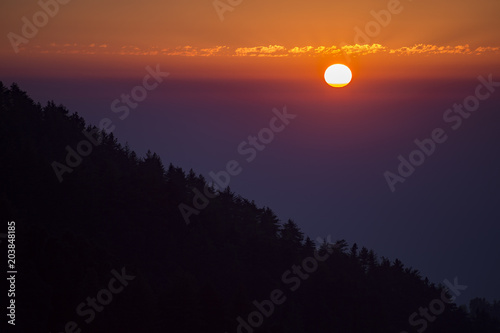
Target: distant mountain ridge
{"type": "Point", "coordinates": [116, 215]}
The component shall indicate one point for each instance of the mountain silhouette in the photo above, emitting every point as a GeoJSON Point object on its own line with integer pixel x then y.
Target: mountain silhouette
{"type": "Point", "coordinates": [103, 245]}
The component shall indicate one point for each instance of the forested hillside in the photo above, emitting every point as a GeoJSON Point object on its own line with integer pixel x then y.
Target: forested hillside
{"type": "Point", "coordinates": [102, 246]}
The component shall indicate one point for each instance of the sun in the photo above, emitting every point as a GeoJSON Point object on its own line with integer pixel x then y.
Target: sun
{"type": "Point", "coordinates": [338, 75]}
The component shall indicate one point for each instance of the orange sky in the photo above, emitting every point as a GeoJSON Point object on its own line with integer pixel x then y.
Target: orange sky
{"type": "Point", "coordinates": [227, 75]}
{"type": "Point", "coordinates": [169, 23]}
{"type": "Point", "coordinates": [104, 36]}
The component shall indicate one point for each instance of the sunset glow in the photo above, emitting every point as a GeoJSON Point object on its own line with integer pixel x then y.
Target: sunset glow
{"type": "Point", "coordinates": [206, 158]}
{"type": "Point", "coordinates": [338, 75]}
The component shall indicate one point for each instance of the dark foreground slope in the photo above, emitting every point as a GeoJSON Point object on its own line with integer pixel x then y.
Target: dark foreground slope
{"type": "Point", "coordinates": [107, 250]}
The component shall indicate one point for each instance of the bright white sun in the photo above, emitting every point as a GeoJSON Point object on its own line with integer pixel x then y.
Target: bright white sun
{"type": "Point", "coordinates": [338, 75]}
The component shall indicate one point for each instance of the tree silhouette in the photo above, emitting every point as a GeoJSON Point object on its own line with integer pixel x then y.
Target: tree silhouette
{"type": "Point", "coordinates": [115, 209]}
